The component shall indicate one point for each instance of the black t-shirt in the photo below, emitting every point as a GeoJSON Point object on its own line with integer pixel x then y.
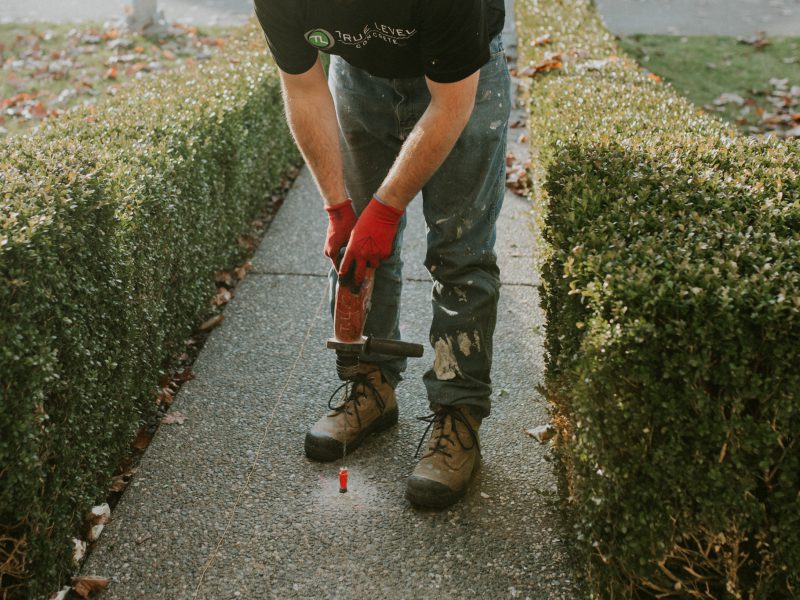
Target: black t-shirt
{"type": "Point", "coordinates": [446, 40]}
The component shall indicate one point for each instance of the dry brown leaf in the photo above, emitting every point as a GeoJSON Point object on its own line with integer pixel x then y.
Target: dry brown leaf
{"type": "Point", "coordinates": [518, 178]}
{"type": "Point", "coordinates": [541, 40]}
{"type": "Point", "coordinates": [212, 322]}
{"type": "Point", "coordinates": [143, 439]}
{"type": "Point", "coordinates": [223, 296]}
{"type": "Point", "coordinates": [654, 77]}
{"type": "Point", "coordinates": [224, 278]}
{"type": "Point", "coordinates": [184, 374]}
{"type": "Point", "coordinates": [165, 396]}
{"type": "Point", "coordinates": [87, 585]}
{"type": "Point", "coordinates": [550, 63]}
{"type": "Point", "coordinates": [243, 270]}
{"type": "Point", "coordinates": [247, 241]}
{"type": "Point", "coordinates": [111, 73]}
{"type": "Point", "coordinates": [174, 417]}
{"type": "Point", "coordinates": [121, 481]}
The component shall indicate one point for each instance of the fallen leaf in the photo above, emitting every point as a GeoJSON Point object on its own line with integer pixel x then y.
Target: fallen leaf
{"type": "Point", "coordinates": [655, 77]}
{"type": "Point", "coordinates": [224, 278]}
{"type": "Point", "coordinates": [541, 40]}
{"type": "Point", "coordinates": [247, 241]}
{"type": "Point", "coordinates": [598, 65]}
{"type": "Point", "coordinates": [758, 40]}
{"type": "Point", "coordinates": [184, 374]}
{"type": "Point", "coordinates": [111, 73]}
{"type": "Point", "coordinates": [550, 63]}
{"type": "Point", "coordinates": [121, 481]}
{"type": "Point", "coordinates": [518, 179]}
{"type": "Point", "coordinates": [223, 296]}
{"type": "Point", "coordinates": [165, 396]}
{"type": "Point", "coordinates": [61, 595]}
{"type": "Point", "coordinates": [174, 417]}
{"type": "Point", "coordinates": [97, 520]}
{"type": "Point", "coordinates": [142, 440]}
{"type": "Point", "coordinates": [212, 322]}
{"type": "Point", "coordinates": [543, 433]}
{"type": "Point", "coordinates": [728, 98]}
{"type": "Point", "coordinates": [78, 550]}
{"type": "Point", "coordinates": [87, 585]}
{"type": "Point", "coordinates": [243, 270]}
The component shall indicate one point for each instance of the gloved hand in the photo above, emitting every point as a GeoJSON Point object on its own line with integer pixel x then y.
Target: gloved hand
{"type": "Point", "coordinates": [342, 219]}
{"type": "Point", "coordinates": [370, 242]}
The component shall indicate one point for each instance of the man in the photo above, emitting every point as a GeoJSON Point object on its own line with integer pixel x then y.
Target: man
{"type": "Point", "coordinates": [417, 99]}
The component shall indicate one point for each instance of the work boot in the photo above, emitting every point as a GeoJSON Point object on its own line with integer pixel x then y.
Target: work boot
{"type": "Point", "coordinates": [369, 406]}
{"type": "Point", "coordinates": [452, 456]}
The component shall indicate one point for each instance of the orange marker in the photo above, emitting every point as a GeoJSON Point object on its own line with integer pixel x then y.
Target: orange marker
{"type": "Point", "coordinates": [343, 480]}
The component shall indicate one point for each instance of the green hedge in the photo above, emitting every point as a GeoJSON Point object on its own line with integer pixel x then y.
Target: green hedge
{"type": "Point", "coordinates": [671, 270]}
{"type": "Point", "coordinates": [113, 222]}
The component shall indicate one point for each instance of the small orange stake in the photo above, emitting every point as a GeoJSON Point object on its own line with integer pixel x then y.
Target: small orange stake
{"type": "Point", "coordinates": [343, 480]}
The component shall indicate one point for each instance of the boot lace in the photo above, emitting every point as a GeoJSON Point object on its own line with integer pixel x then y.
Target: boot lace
{"type": "Point", "coordinates": [354, 394]}
{"type": "Point", "coordinates": [441, 441]}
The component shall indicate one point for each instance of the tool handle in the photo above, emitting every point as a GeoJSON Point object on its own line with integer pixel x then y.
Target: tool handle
{"type": "Point", "coordinates": [393, 347]}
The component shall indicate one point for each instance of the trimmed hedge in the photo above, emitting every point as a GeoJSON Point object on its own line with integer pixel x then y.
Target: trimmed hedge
{"type": "Point", "coordinates": [113, 222]}
{"type": "Point", "coordinates": [671, 270]}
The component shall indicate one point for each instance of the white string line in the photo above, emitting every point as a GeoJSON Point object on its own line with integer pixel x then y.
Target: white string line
{"type": "Point", "coordinates": [212, 559]}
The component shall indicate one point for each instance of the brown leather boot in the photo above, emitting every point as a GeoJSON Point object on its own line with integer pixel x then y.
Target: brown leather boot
{"type": "Point", "coordinates": [452, 456]}
{"type": "Point", "coordinates": [369, 407]}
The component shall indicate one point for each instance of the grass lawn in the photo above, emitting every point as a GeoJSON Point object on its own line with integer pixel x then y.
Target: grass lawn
{"type": "Point", "coordinates": [703, 68]}
{"type": "Point", "coordinates": [47, 68]}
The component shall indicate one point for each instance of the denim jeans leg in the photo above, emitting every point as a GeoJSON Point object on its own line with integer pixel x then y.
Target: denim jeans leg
{"type": "Point", "coordinates": [369, 143]}
{"type": "Point", "coordinates": [461, 204]}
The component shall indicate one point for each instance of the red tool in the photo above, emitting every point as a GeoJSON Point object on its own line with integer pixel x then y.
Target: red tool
{"type": "Point", "coordinates": [349, 342]}
{"type": "Point", "coordinates": [350, 314]}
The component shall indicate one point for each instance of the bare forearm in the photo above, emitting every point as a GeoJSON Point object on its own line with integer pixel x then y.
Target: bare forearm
{"type": "Point", "coordinates": [312, 120]}
{"type": "Point", "coordinates": [428, 146]}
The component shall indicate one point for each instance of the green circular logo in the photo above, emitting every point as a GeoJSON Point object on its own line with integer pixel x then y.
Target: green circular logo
{"type": "Point", "coordinates": [319, 38]}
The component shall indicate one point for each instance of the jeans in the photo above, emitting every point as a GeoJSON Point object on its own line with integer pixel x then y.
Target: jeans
{"type": "Point", "coordinates": [460, 203]}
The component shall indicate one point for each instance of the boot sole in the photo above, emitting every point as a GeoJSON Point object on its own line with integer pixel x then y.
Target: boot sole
{"type": "Point", "coordinates": [326, 449]}
{"type": "Point", "coordinates": [426, 493]}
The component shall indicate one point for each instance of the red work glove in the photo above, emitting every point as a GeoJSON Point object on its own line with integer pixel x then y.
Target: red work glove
{"type": "Point", "coordinates": [370, 243]}
{"type": "Point", "coordinates": [342, 219]}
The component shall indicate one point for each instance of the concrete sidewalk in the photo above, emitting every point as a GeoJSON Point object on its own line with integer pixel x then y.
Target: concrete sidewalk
{"type": "Point", "coordinates": [227, 505]}
{"type": "Point", "coordinates": [677, 17]}
{"type": "Point", "coordinates": [210, 12]}
{"type": "Point", "coordinates": [702, 17]}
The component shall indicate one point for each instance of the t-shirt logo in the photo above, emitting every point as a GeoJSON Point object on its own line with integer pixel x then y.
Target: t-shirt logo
{"type": "Point", "coordinates": [319, 38]}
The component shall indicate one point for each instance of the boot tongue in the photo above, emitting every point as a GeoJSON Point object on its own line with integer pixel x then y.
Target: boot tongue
{"type": "Point", "coordinates": [443, 435]}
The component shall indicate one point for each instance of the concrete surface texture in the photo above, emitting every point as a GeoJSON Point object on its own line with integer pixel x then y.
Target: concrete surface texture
{"type": "Point", "coordinates": [702, 17]}
{"type": "Point", "coordinates": [227, 506]}
{"type": "Point", "coordinates": [679, 17]}
{"type": "Point", "coordinates": [211, 12]}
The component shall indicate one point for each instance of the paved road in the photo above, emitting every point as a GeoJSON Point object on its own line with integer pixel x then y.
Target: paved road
{"type": "Point", "coordinates": [702, 17]}
{"type": "Point", "coordinates": [223, 12]}
{"type": "Point", "coordinates": [227, 506]}
{"type": "Point", "coordinates": [684, 17]}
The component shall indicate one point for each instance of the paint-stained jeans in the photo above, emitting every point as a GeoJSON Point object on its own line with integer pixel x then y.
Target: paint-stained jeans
{"type": "Point", "coordinates": [460, 202]}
